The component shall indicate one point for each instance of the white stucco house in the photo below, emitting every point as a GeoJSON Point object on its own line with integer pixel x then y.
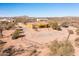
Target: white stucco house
{"type": "Point", "coordinates": [6, 20]}
{"type": "Point", "coordinates": [40, 19]}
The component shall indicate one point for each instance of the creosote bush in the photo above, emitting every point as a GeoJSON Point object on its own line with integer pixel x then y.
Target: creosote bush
{"type": "Point", "coordinates": [65, 24]}
{"type": "Point", "coordinates": [2, 43]}
{"type": "Point", "coordinates": [77, 31]}
{"type": "Point", "coordinates": [43, 26]}
{"type": "Point", "coordinates": [62, 48]}
{"type": "Point", "coordinates": [54, 25]}
{"type": "Point", "coordinates": [10, 26]}
{"type": "Point", "coordinates": [12, 51]}
{"type": "Point", "coordinates": [33, 52]}
{"type": "Point", "coordinates": [77, 42]}
{"type": "Point", "coordinates": [35, 27]}
{"type": "Point", "coordinates": [17, 34]}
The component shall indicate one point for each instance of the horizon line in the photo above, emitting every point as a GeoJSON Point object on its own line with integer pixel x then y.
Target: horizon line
{"type": "Point", "coordinates": [38, 16]}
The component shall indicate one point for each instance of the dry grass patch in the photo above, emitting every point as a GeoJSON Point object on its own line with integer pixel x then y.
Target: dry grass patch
{"type": "Point", "coordinates": [77, 42]}
{"type": "Point", "coordinates": [65, 24]}
{"type": "Point", "coordinates": [54, 25]}
{"type": "Point", "coordinates": [77, 31]}
{"type": "Point", "coordinates": [63, 48]}
{"type": "Point", "coordinates": [2, 43]}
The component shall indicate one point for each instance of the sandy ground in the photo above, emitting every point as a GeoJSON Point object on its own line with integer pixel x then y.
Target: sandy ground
{"type": "Point", "coordinates": [40, 38]}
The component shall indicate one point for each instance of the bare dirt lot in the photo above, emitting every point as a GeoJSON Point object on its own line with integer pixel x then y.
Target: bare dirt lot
{"type": "Point", "coordinates": [39, 39]}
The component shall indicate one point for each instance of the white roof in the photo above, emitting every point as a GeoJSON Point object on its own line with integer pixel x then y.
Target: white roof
{"type": "Point", "coordinates": [41, 19]}
{"type": "Point", "coordinates": [4, 20]}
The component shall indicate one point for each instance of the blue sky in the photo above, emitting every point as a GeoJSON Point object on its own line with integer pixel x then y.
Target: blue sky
{"type": "Point", "coordinates": [39, 9]}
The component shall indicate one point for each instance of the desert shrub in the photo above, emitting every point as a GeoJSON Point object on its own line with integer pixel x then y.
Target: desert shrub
{"type": "Point", "coordinates": [65, 24]}
{"type": "Point", "coordinates": [16, 34]}
{"type": "Point", "coordinates": [7, 25]}
{"type": "Point", "coordinates": [2, 43]}
{"type": "Point", "coordinates": [42, 26]}
{"type": "Point", "coordinates": [50, 23]}
{"type": "Point", "coordinates": [47, 26]}
{"type": "Point", "coordinates": [20, 19]}
{"type": "Point", "coordinates": [70, 31]}
{"type": "Point", "coordinates": [8, 51]}
{"type": "Point", "coordinates": [54, 25]}
{"type": "Point", "coordinates": [77, 31]}
{"type": "Point", "coordinates": [54, 46]}
{"type": "Point", "coordinates": [12, 51]}
{"type": "Point", "coordinates": [77, 42]}
{"type": "Point", "coordinates": [35, 27]}
{"type": "Point", "coordinates": [33, 51]}
{"type": "Point", "coordinates": [1, 32]}
{"type": "Point", "coordinates": [10, 25]}
{"type": "Point", "coordinates": [63, 48]}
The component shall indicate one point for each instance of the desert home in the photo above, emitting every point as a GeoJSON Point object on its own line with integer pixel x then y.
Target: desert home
{"type": "Point", "coordinates": [23, 37]}
{"type": "Point", "coordinates": [4, 20]}
{"type": "Point", "coordinates": [41, 19]}
{"type": "Point", "coordinates": [7, 20]}
{"type": "Point", "coordinates": [38, 23]}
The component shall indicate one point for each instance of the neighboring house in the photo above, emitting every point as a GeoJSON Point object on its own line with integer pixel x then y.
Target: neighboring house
{"type": "Point", "coordinates": [31, 20]}
{"type": "Point", "coordinates": [40, 19]}
{"type": "Point", "coordinates": [6, 20]}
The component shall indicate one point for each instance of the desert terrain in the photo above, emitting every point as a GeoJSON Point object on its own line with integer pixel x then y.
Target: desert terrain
{"type": "Point", "coordinates": [38, 43]}
{"type": "Point", "coordinates": [39, 40]}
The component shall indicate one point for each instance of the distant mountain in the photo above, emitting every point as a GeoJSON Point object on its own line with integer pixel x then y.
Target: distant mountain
{"type": "Point", "coordinates": [49, 18]}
